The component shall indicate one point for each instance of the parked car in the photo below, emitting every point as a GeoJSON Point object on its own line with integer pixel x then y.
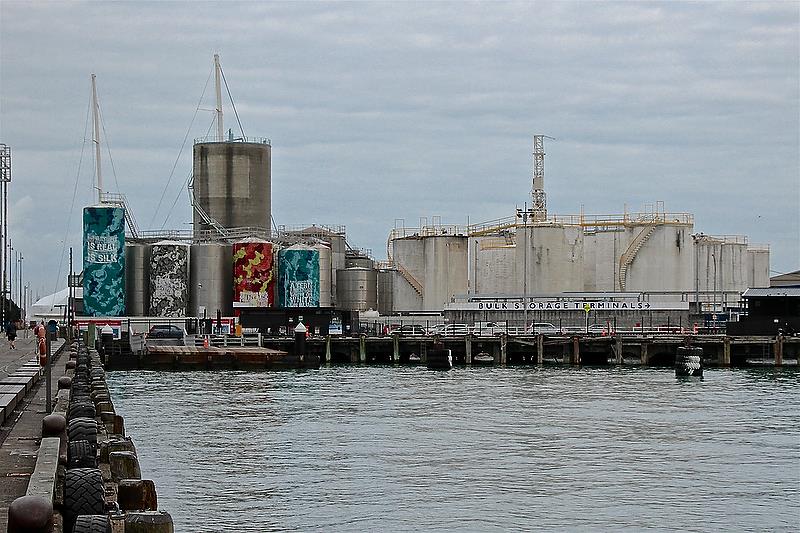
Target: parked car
{"type": "Point", "coordinates": [489, 329]}
{"type": "Point", "coordinates": [452, 329]}
{"type": "Point", "coordinates": [409, 330]}
{"type": "Point", "coordinates": [545, 328]}
{"type": "Point", "coordinates": [166, 335]}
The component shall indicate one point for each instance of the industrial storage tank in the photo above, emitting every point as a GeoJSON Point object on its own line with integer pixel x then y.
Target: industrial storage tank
{"type": "Point", "coordinates": [386, 291]}
{"type": "Point", "coordinates": [254, 273]}
{"type": "Point", "coordinates": [325, 275]}
{"type": "Point", "coordinates": [357, 289]}
{"type": "Point", "coordinates": [137, 279]}
{"type": "Point", "coordinates": [232, 184]}
{"type": "Point", "coordinates": [169, 279]}
{"type": "Point", "coordinates": [104, 261]}
{"type": "Point", "coordinates": [210, 274]}
{"type": "Point", "coordinates": [360, 261]}
{"type": "Point", "coordinates": [298, 276]}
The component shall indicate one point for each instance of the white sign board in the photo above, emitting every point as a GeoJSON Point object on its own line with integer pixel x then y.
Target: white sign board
{"type": "Point", "coordinates": [568, 305]}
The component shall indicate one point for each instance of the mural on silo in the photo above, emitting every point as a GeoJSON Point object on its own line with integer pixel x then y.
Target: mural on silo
{"type": "Point", "coordinates": [298, 277]}
{"type": "Point", "coordinates": [169, 279]}
{"type": "Point", "coordinates": [254, 273]}
{"type": "Point", "coordinates": [104, 261]}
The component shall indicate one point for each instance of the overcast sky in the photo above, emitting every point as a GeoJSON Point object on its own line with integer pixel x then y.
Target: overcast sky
{"type": "Point", "coordinates": [385, 111]}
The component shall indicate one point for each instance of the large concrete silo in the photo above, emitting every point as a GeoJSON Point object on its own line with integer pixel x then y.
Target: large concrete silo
{"type": "Point", "coordinates": [232, 184]}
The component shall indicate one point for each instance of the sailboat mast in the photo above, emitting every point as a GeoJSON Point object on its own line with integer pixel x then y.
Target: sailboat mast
{"type": "Point", "coordinates": [96, 120]}
{"type": "Point", "coordinates": [220, 129]}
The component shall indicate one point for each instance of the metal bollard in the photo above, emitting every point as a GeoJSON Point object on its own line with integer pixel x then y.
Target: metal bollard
{"type": "Point", "coordinates": [30, 514]}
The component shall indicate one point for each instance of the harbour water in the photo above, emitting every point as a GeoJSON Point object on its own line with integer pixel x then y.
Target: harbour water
{"type": "Point", "coordinates": [479, 449]}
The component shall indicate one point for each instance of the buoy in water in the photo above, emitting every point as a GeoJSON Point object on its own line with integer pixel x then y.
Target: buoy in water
{"type": "Point", "coordinates": [689, 361]}
{"type": "Point", "coordinates": [440, 359]}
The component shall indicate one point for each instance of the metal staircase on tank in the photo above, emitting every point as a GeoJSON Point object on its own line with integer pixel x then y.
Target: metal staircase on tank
{"type": "Point", "coordinates": [118, 200]}
{"type": "Point", "coordinates": [630, 254]}
{"type": "Point", "coordinates": [207, 219]}
{"type": "Point", "coordinates": [416, 285]}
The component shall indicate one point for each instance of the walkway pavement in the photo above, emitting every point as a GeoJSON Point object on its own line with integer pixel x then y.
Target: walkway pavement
{"type": "Point", "coordinates": [22, 432]}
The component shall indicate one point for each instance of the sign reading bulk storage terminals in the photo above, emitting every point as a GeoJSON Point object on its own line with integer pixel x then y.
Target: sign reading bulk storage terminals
{"type": "Point", "coordinates": [567, 305]}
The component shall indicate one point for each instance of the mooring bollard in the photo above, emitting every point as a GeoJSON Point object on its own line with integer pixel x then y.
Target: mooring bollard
{"type": "Point", "coordinates": [148, 522]}
{"type": "Point", "coordinates": [137, 495]}
{"type": "Point", "coordinates": [30, 514]}
{"type": "Point", "coordinates": [300, 341]}
{"type": "Point", "coordinates": [54, 426]}
{"type": "Point", "coordinates": [689, 361]}
{"type": "Point", "coordinates": [124, 465]}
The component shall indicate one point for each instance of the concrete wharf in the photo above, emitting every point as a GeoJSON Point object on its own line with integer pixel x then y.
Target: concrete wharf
{"type": "Point", "coordinates": [644, 350]}
{"type": "Point", "coordinates": [504, 349]}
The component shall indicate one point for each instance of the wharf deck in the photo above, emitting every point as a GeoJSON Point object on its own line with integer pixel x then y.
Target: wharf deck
{"type": "Point", "coordinates": [200, 358]}
{"type": "Point", "coordinates": [574, 349]}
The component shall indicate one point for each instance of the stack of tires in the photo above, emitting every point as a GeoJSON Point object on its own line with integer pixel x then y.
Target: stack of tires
{"type": "Point", "coordinates": [84, 508]}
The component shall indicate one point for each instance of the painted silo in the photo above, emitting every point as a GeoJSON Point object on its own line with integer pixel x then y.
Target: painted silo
{"type": "Point", "coordinates": [169, 279]}
{"type": "Point", "coordinates": [325, 275]}
{"type": "Point", "coordinates": [137, 278]}
{"type": "Point", "coordinates": [254, 273]}
{"type": "Point", "coordinates": [233, 184]}
{"type": "Point", "coordinates": [358, 289]}
{"type": "Point", "coordinates": [298, 276]}
{"type": "Point", "coordinates": [210, 274]}
{"type": "Point", "coordinates": [104, 261]}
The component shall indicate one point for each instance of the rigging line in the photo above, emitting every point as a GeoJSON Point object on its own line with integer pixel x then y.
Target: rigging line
{"type": "Point", "coordinates": [230, 96]}
{"type": "Point", "coordinates": [186, 183]}
{"type": "Point", "coordinates": [177, 196]}
{"type": "Point", "coordinates": [74, 195]}
{"type": "Point", "coordinates": [183, 145]}
{"type": "Point", "coordinates": [108, 149]}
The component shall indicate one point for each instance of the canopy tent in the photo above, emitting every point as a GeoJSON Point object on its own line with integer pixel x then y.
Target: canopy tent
{"type": "Point", "coordinates": [53, 305]}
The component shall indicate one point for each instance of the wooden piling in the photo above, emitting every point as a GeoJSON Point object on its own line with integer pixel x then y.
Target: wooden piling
{"type": "Point", "coordinates": [395, 348]}
{"type": "Point", "coordinates": [726, 351]}
{"type": "Point", "coordinates": [503, 348]}
{"type": "Point", "coordinates": [576, 351]}
{"type": "Point", "coordinates": [778, 350]}
{"type": "Point", "coordinates": [539, 349]}
{"type": "Point", "coordinates": [644, 355]}
{"type": "Point", "coordinates": [362, 349]}
{"type": "Point", "coordinates": [468, 349]}
{"type": "Point", "coordinates": [618, 359]}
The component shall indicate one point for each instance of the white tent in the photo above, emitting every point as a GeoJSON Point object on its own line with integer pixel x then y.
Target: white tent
{"type": "Point", "coordinates": [53, 305]}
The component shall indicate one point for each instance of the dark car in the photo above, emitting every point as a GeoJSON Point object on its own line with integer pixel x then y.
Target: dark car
{"type": "Point", "coordinates": [165, 335]}
{"type": "Point", "coordinates": [165, 331]}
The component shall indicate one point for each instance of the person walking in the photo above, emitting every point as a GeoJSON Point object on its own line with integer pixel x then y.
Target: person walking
{"type": "Point", "coordinates": [11, 333]}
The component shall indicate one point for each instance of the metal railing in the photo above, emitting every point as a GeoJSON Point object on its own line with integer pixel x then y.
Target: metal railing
{"type": "Point", "coordinates": [241, 139]}
{"type": "Point", "coordinates": [224, 341]}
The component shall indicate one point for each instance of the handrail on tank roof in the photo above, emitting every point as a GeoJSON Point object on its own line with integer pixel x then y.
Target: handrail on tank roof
{"type": "Point", "coordinates": [253, 140]}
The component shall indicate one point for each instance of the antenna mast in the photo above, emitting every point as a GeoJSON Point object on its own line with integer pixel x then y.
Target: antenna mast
{"type": "Point", "coordinates": [96, 120]}
{"type": "Point", "coordinates": [220, 129]}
